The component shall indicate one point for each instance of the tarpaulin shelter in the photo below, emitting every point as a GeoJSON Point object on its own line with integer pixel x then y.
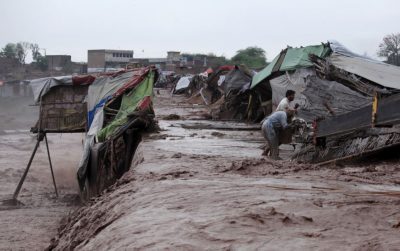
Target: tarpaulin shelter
{"type": "Point", "coordinates": [314, 94]}
{"type": "Point", "coordinates": [337, 90]}
{"type": "Point", "coordinates": [42, 86]}
{"type": "Point", "coordinates": [182, 84]}
{"type": "Point", "coordinates": [236, 78]}
{"type": "Point", "coordinates": [211, 92]}
{"type": "Point", "coordinates": [234, 102]}
{"type": "Point", "coordinates": [286, 72]}
{"type": "Point", "coordinates": [116, 107]}
{"type": "Point", "coordinates": [116, 103]}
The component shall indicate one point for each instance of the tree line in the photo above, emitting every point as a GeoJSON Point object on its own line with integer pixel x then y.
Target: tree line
{"type": "Point", "coordinates": [253, 56]}
{"type": "Point", "coordinates": [19, 51]}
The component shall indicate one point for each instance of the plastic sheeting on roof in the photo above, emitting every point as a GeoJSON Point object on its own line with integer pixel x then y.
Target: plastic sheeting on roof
{"type": "Point", "coordinates": [294, 58]}
{"type": "Point", "coordinates": [183, 83]}
{"type": "Point", "coordinates": [130, 102]}
{"type": "Point", "coordinates": [102, 90]}
{"type": "Point", "coordinates": [264, 73]}
{"type": "Point", "coordinates": [312, 93]}
{"type": "Point", "coordinates": [43, 85]}
{"type": "Point", "coordinates": [380, 73]}
{"type": "Point", "coordinates": [235, 79]}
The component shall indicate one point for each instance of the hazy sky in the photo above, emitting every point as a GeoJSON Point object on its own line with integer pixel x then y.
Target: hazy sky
{"type": "Point", "coordinates": [151, 28]}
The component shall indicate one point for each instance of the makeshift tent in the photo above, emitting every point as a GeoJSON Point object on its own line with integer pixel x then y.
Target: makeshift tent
{"type": "Point", "coordinates": [314, 94]}
{"type": "Point", "coordinates": [137, 99]}
{"type": "Point", "coordinates": [116, 107]}
{"type": "Point", "coordinates": [129, 91]}
{"type": "Point", "coordinates": [234, 102]}
{"type": "Point", "coordinates": [42, 86]}
{"type": "Point", "coordinates": [339, 71]}
{"type": "Point", "coordinates": [212, 82]}
{"type": "Point", "coordinates": [236, 79]}
{"type": "Point", "coordinates": [182, 84]}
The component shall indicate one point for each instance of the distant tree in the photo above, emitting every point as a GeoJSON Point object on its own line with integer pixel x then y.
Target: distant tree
{"type": "Point", "coordinates": [253, 57]}
{"type": "Point", "coordinates": [42, 63]}
{"type": "Point", "coordinates": [9, 51]}
{"type": "Point", "coordinates": [35, 51]}
{"type": "Point", "coordinates": [390, 49]}
{"type": "Point", "coordinates": [22, 51]}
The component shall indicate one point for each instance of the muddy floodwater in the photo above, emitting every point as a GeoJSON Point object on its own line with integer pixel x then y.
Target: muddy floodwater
{"type": "Point", "coordinates": [200, 185]}
{"type": "Point", "coordinates": [30, 224]}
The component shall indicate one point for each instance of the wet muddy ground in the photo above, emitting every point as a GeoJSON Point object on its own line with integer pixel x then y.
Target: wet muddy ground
{"type": "Point", "coordinates": [204, 187]}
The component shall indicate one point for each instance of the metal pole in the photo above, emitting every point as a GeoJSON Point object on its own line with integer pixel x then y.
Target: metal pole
{"type": "Point", "coordinates": [26, 171]}
{"type": "Point", "coordinates": [51, 166]}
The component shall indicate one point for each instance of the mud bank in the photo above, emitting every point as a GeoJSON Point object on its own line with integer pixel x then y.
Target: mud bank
{"type": "Point", "coordinates": [209, 189]}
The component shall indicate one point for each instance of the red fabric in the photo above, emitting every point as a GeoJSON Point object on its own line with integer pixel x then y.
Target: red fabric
{"type": "Point", "coordinates": [83, 80]}
{"type": "Point", "coordinates": [144, 103]}
{"type": "Point", "coordinates": [226, 68]}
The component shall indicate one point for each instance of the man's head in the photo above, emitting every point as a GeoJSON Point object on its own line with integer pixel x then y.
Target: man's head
{"type": "Point", "coordinates": [290, 95]}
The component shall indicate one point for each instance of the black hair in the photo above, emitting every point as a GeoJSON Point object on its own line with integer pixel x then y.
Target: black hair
{"type": "Point", "coordinates": [290, 93]}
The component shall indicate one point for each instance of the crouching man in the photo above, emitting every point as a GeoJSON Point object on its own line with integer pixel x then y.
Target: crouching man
{"type": "Point", "coordinates": [271, 129]}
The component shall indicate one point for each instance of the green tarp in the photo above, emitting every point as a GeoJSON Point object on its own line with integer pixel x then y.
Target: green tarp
{"type": "Point", "coordinates": [129, 104]}
{"type": "Point", "coordinates": [264, 73]}
{"type": "Point", "coordinates": [294, 58]}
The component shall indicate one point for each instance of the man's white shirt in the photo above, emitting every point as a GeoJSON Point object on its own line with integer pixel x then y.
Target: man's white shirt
{"type": "Point", "coordinates": [283, 105]}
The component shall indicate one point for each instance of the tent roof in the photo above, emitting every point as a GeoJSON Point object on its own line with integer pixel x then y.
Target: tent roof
{"type": "Point", "coordinates": [378, 72]}
{"type": "Point", "coordinates": [236, 78]}
{"type": "Point", "coordinates": [291, 59]}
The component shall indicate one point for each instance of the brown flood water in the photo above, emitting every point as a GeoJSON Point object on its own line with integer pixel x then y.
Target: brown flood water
{"type": "Point", "coordinates": [200, 189]}
{"type": "Point", "coordinates": [30, 226]}
{"type": "Point", "coordinates": [207, 189]}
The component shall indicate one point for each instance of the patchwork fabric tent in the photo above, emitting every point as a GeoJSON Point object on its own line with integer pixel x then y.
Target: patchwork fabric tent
{"type": "Point", "coordinates": [115, 102]}
{"type": "Point", "coordinates": [112, 101]}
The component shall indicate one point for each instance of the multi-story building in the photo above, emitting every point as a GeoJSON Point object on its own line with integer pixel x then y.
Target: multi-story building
{"type": "Point", "coordinates": [108, 60]}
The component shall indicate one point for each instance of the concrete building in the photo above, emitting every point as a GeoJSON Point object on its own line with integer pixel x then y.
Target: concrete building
{"type": "Point", "coordinates": [58, 62]}
{"type": "Point", "coordinates": [173, 56]}
{"type": "Point", "coordinates": [157, 62]}
{"type": "Point", "coordinates": [181, 63]}
{"type": "Point", "coordinates": [105, 60]}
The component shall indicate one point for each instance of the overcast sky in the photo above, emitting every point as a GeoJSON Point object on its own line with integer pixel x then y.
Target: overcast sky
{"type": "Point", "coordinates": [151, 28]}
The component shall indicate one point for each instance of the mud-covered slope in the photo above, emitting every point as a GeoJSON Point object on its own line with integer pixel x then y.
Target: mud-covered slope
{"type": "Point", "coordinates": [207, 189]}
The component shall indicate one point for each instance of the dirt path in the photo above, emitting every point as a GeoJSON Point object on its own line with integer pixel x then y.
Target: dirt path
{"type": "Point", "coordinates": [209, 189]}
